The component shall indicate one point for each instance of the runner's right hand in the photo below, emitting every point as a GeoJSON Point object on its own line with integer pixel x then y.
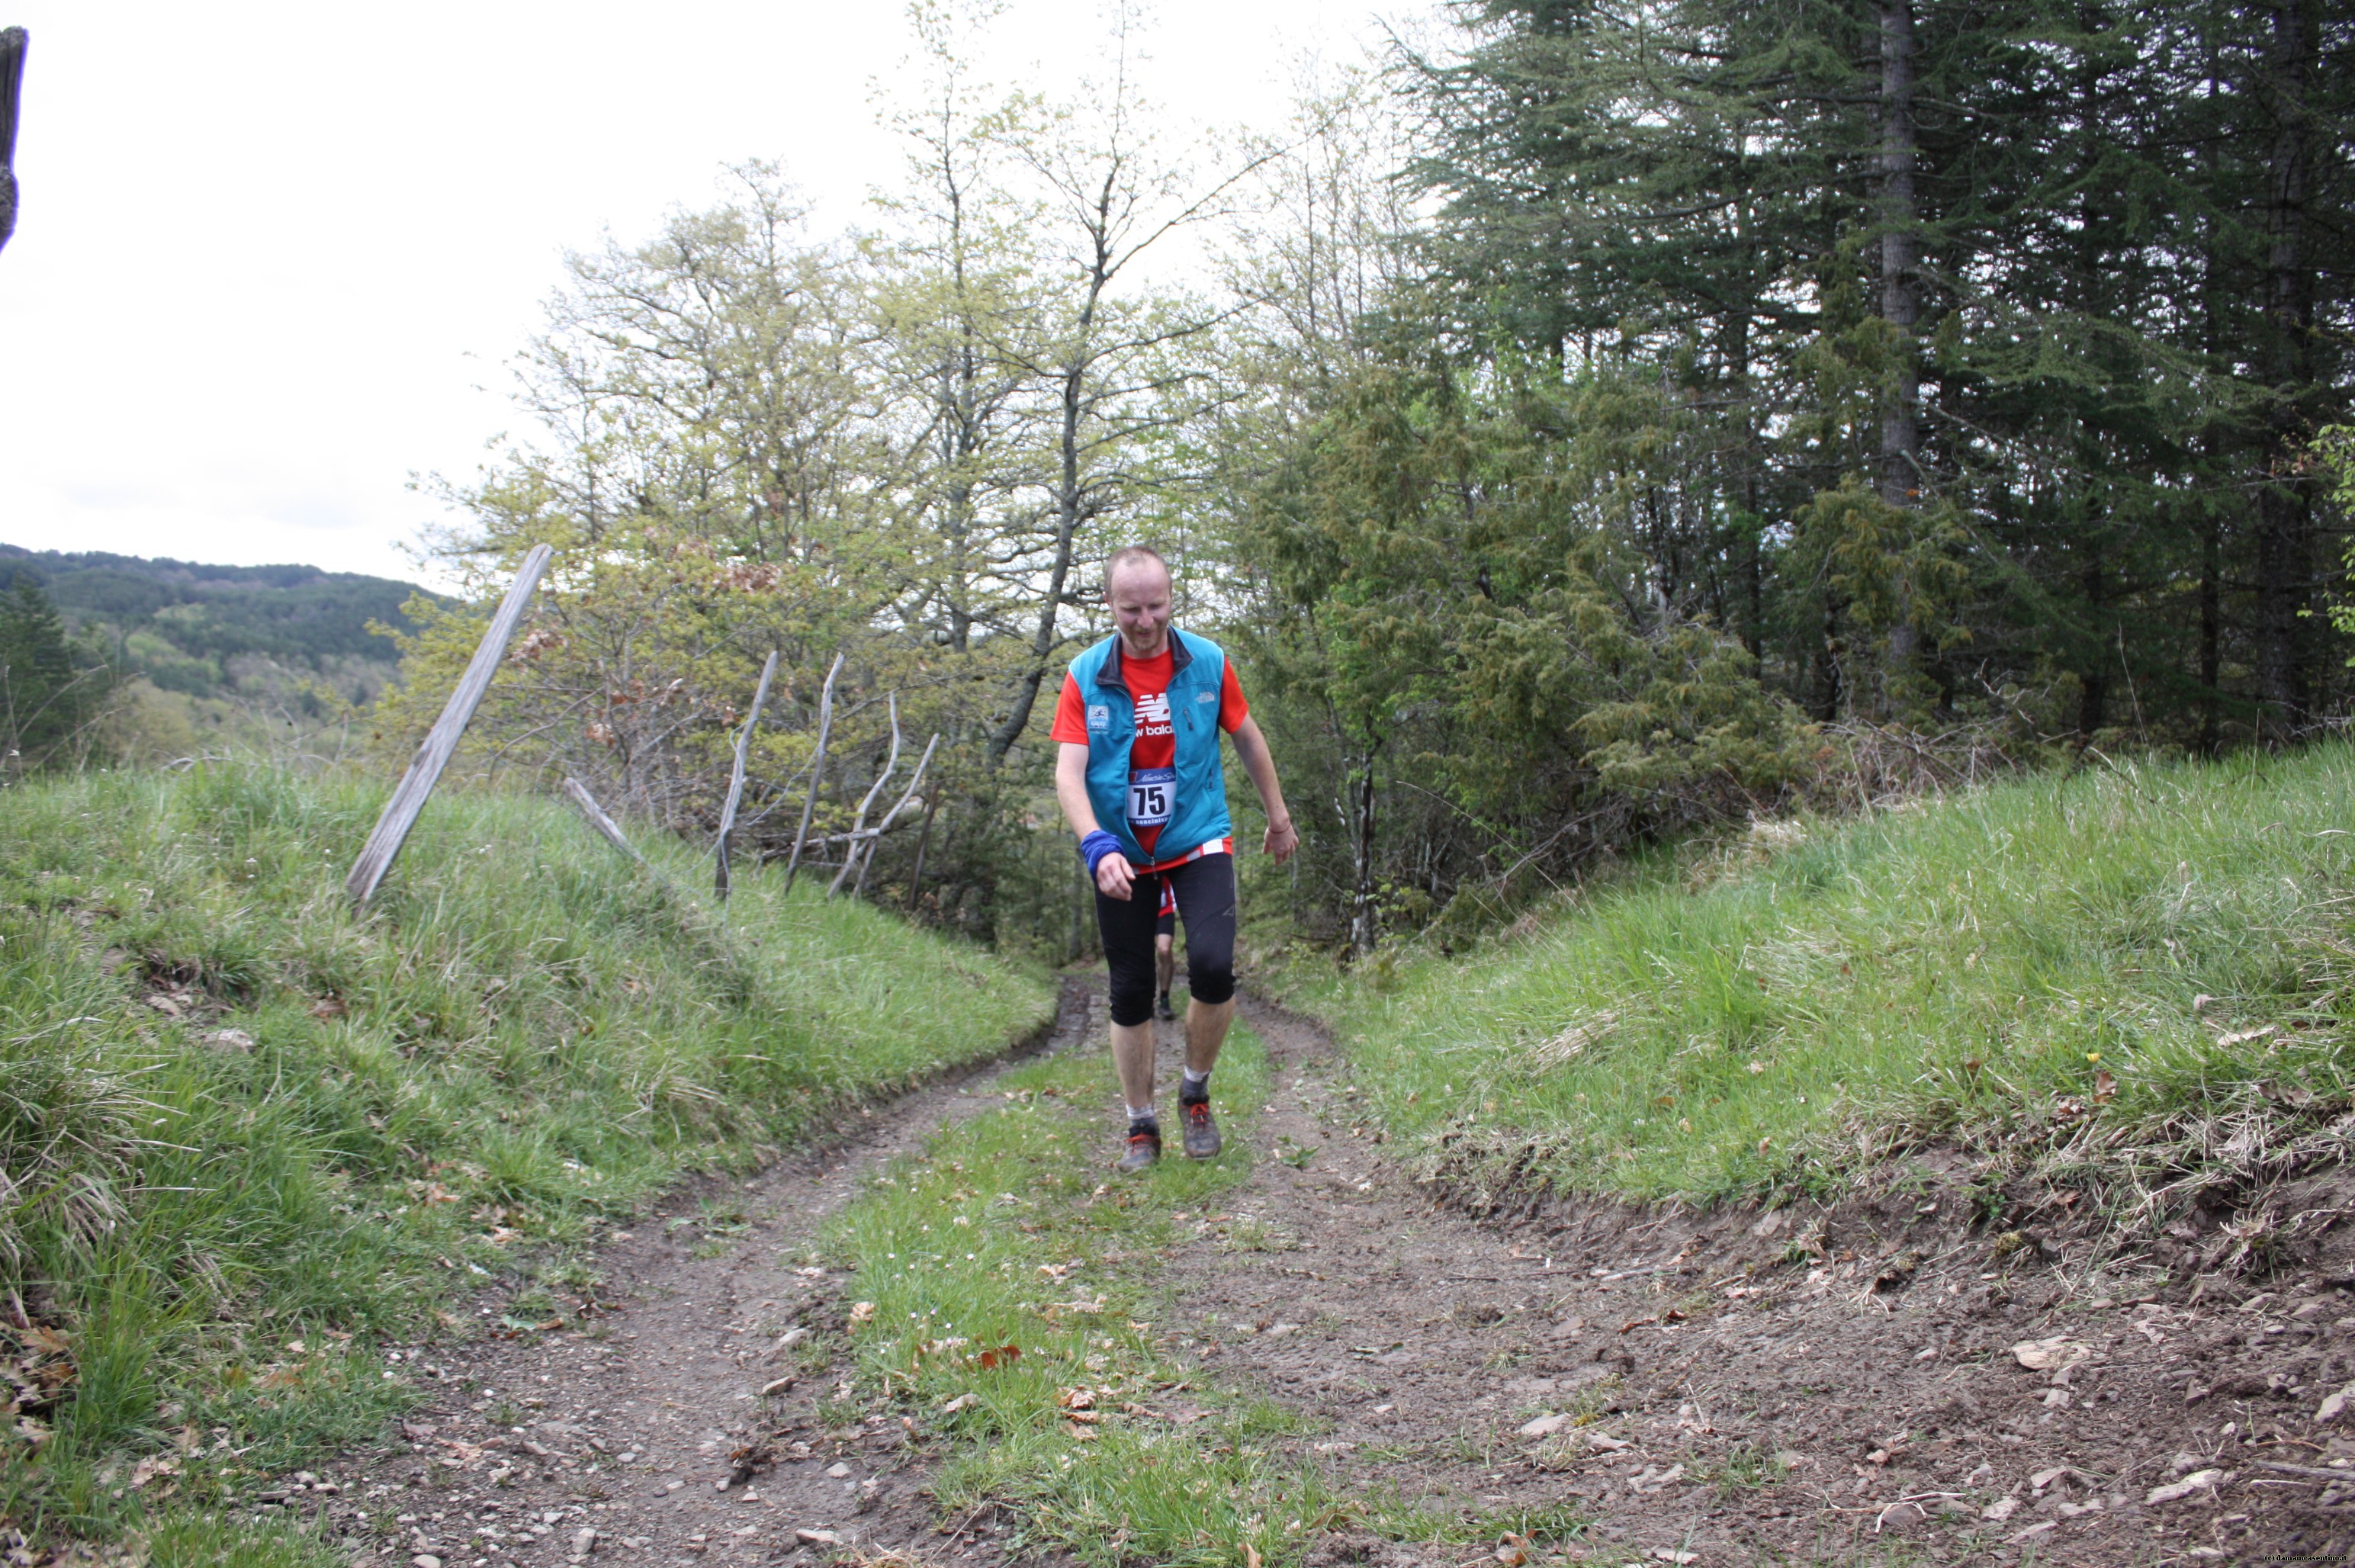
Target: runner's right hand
{"type": "Point", "coordinates": [1114, 877]}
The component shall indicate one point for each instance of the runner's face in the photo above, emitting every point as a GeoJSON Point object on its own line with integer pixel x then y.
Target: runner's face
{"type": "Point", "coordinates": [1139, 595]}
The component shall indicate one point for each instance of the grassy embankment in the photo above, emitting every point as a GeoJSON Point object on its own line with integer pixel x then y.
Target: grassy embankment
{"type": "Point", "coordinates": [2019, 970]}
{"type": "Point", "coordinates": [246, 1133]}
{"type": "Point", "coordinates": [1010, 1232]}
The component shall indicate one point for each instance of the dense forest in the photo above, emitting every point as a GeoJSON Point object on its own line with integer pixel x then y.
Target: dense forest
{"type": "Point", "coordinates": [1582, 425]}
{"type": "Point", "coordinates": [206, 630]}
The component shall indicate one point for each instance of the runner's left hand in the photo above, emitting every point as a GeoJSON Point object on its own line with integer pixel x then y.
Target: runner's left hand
{"type": "Point", "coordinates": [1279, 840]}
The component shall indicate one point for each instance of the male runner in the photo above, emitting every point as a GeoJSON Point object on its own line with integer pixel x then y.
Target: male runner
{"type": "Point", "coordinates": [1138, 775]}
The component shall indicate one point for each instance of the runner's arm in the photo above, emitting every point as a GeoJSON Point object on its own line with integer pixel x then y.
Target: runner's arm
{"type": "Point", "coordinates": [1281, 839]}
{"type": "Point", "coordinates": [1113, 874]}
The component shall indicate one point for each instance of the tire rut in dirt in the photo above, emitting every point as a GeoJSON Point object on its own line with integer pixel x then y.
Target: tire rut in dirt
{"type": "Point", "coordinates": [646, 1438]}
{"type": "Point", "coordinates": [1750, 1386]}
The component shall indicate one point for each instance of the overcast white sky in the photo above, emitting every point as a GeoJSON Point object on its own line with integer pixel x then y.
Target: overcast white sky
{"type": "Point", "coordinates": [270, 257]}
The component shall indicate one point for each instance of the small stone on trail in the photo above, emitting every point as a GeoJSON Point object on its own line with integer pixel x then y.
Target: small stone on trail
{"type": "Point", "coordinates": [2333, 1406]}
{"type": "Point", "coordinates": [840, 1471]}
{"type": "Point", "coordinates": [791, 1338]}
{"type": "Point", "coordinates": [770, 1389]}
{"type": "Point", "coordinates": [425, 1560]}
{"type": "Point", "coordinates": [2197, 1482]}
{"type": "Point", "coordinates": [817, 1538]}
{"type": "Point", "coordinates": [1545, 1426]}
{"type": "Point", "coordinates": [2001, 1508]}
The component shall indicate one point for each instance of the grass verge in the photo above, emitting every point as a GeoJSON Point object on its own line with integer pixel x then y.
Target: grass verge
{"type": "Point", "coordinates": [246, 1132]}
{"type": "Point", "coordinates": [1012, 1305]}
{"type": "Point", "coordinates": [2130, 978]}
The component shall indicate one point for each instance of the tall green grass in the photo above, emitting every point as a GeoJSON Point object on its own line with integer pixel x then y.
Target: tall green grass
{"type": "Point", "coordinates": [2019, 969]}
{"type": "Point", "coordinates": [334, 1124]}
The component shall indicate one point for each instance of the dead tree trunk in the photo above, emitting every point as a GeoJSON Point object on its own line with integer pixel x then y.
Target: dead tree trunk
{"type": "Point", "coordinates": [1901, 426]}
{"type": "Point", "coordinates": [817, 771]}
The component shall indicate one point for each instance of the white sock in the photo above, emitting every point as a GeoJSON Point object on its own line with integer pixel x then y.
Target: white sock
{"type": "Point", "coordinates": [1141, 1114]}
{"type": "Point", "coordinates": [1197, 1083]}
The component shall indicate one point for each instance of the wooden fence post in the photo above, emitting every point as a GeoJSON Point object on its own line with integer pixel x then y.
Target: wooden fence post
{"type": "Point", "coordinates": [892, 816]}
{"type": "Point", "coordinates": [736, 777]}
{"type": "Point", "coordinates": [923, 843]}
{"type": "Point", "coordinates": [605, 826]}
{"type": "Point", "coordinates": [424, 769]}
{"type": "Point", "coordinates": [858, 823]}
{"type": "Point", "coordinates": [817, 771]}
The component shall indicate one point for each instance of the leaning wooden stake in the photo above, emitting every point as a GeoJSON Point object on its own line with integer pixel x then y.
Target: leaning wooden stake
{"type": "Point", "coordinates": [736, 776]}
{"type": "Point", "coordinates": [817, 770]}
{"type": "Point", "coordinates": [858, 823]}
{"type": "Point", "coordinates": [425, 768]}
{"type": "Point", "coordinates": [605, 826]}
{"type": "Point", "coordinates": [892, 816]}
{"type": "Point", "coordinates": [923, 842]}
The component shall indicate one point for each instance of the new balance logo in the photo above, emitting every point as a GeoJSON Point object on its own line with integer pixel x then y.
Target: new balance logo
{"type": "Point", "coordinates": [1153, 708]}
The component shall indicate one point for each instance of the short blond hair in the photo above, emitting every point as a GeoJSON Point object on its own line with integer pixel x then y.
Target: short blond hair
{"type": "Point", "coordinates": [1129, 555]}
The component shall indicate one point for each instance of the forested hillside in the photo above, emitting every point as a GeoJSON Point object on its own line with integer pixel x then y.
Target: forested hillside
{"type": "Point", "coordinates": [1592, 423]}
{"type": "Point", "coordinates": [209, 631]}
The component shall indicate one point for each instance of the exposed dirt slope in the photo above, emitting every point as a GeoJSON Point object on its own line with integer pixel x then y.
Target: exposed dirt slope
{"type": "Point", "coordinates": [1779, 1387]}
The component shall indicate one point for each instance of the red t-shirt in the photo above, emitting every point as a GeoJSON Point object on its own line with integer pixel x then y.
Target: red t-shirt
{"type": "Point", "coordinates": [1155, 745]}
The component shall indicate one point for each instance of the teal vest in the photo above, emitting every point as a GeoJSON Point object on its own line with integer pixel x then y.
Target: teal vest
{"type": "Point", "coordinates": [1199, 815]}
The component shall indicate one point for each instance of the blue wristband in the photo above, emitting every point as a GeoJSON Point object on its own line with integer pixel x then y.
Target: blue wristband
{"type": "Point", "coordinates": [1096, 846]}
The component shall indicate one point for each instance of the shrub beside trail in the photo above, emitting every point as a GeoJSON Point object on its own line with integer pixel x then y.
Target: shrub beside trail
{"type": "Point", "coordinates": [245, 1133]}
{"type": "Point", "coordinates": [2132, 980]}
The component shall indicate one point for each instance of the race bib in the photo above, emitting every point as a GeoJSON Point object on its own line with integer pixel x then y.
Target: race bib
{"type": "Point", "coordinates": [1151, 793]}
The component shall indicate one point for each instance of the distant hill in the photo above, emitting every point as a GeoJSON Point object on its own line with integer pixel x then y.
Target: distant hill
{"type": "Point", "coordinates": [220, 631]}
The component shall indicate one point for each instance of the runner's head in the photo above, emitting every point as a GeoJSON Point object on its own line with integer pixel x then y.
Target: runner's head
{"type": "Point", "coordinates": [1136, 586]}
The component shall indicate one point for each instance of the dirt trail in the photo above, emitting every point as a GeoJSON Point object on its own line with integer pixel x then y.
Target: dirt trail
{"type": "Point", "coordinates": [1709, 1396]}
{"type": "Point", "coordinates": [611, 1444]}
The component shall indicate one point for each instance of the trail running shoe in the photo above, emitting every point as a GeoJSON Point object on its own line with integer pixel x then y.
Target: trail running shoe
{"type": "Point", "coordinates": [1144, 1148]}
{"type": "Point", "coordinates": [1163, 1010]}
{"type": "Point", "coordinates": [1202, 1140]}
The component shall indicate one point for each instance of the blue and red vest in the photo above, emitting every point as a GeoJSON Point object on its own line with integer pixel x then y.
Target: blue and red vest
{"type": "Point", "coordinates": [1197, 669]}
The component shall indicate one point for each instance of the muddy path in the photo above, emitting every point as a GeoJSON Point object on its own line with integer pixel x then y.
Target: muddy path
{"type": "Point", "coordinates": [1734, 1388]}
{"type": "Point", "coordinates": [625, 1439]}
{"type": "Point", "coordinates": [1836, 1386]}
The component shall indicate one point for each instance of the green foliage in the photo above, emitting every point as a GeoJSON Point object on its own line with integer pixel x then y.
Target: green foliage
{"type": "Point", "coordinates": [210, 631]}
{"type": "Point", "coordinates": [50, 691]}
{"type": "Point", "coordinates": [1452, 619]}
{"type": "Point", "coordinates": [248, 1133]}
{"type": "Point", "coordinates": [2125, 314]}
{"type": "Point", "coordinates": [2090, 973]}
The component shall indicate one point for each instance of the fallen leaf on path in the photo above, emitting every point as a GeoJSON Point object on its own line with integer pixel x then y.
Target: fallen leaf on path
{"type": "Point", "coordinates": [1545, 1426]}
{"type": "Point", "coordinates": [1076, 1398]}
{"type": "Point", "coordinates": [148, 1469]}
{"type": "Point", "coordinates": [962, 1401]}
{"type": "Point", "coordinates": [862, 1312]}
{"type": "Point", "coordinates": [2001, 1510]}
{"type": "Point", "coordinates": [2050, 1355]}
{"type": "Point", "coordinates": [817, 1538]}
{"type": "Point", "coordinates": [771, 1390]}
{"type": "Point", "coordinates": [1250, 1555]}
{"type": "Point", "coordinates": [1000, 1356]}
